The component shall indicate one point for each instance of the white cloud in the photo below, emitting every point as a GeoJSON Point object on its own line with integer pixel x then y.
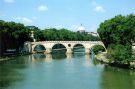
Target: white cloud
{"type": "Point", "coordinates": [23, 20]}
{"type": "Point", "coordinates": [99, 9]}
{"type": "Point", "coordinates": [42, 8]}
{"type": "Point", "coordinates": [9, 1]}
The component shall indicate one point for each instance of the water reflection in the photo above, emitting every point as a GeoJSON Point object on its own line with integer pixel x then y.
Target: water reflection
{"type": "Point", "coordinates": [10, 72]}
{"type": "Point", "coordinates": [48, 58]}
{"type": "Point", "coordinates": [42, 57]}
{"type": "Point", "coordinates": [87, 56]}
{"type": "Point", "coordinates": [88, 63]}
{"type": "Point", "coordinates": [69, 56]}
{"type": "Point", "coordinates": [62, 71]}
{"type": "Point", "coordinates": [114, 78]}
{"type": "Point", "coordinates": [58, 56]}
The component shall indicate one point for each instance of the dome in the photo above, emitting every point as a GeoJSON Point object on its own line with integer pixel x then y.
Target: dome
{"type": "Point", "coordinates": [81, 28]}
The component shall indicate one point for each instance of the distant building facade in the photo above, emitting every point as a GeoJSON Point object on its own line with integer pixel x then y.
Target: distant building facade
{"type": "Point", "coordinates": [92, 33]}
{"type": "Point", "coordinates": [82, 29]}
{"type": "Point", "coordinates": [32, 27]}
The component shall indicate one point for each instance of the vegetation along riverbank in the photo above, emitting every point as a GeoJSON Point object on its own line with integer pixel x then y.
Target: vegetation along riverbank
{"type": "Point", "coordinates": [118, 35]}
{"type": "Point", "coordinates": [102, 57]}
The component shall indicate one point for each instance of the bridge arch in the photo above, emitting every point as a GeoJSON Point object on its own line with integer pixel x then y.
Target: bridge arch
{"type": "Point", "coordinates": [78, 46]}
{"type": "Point", "coordinates": [99, 46]}
{"type": "Point", "coordinates": [59, 47]}
{"type": "Point", "coordinates": [38, 48]}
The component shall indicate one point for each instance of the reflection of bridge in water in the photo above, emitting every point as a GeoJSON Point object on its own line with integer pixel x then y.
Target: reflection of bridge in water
{"type": "Point", "coordinates": [68, 45]}
{"type": "Point", "coordinates": [48, 58]}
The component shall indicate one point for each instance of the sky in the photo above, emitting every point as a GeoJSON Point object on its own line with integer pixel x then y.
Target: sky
{"type": "Point", "coordinates": [68, 14]}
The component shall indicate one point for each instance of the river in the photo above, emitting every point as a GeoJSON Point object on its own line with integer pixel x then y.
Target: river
{"type": "Point", "coordinates": [60, 71]}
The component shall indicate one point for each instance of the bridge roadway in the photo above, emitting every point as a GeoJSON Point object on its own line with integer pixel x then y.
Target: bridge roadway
{"type": "Point", "coordinates": [69, 45]}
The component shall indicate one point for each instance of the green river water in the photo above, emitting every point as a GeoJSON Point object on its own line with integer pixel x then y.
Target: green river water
{"type": "Point", "coordinates": [60, 71]}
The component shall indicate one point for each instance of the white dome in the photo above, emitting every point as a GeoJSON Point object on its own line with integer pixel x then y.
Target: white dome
{"type": "Point", "coordinates": [81, 28]}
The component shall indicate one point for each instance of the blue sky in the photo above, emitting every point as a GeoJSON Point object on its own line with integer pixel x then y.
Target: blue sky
{"type": "Point", "coordinates": [64, 13]}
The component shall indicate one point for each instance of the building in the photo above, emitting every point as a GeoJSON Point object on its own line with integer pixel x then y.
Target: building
{"type": "Point", "coordinates": [32, 27]}
{"type": "Point", "coordinates": [93, 33]}
{"type": "Point", "coordinates": [82, 29]}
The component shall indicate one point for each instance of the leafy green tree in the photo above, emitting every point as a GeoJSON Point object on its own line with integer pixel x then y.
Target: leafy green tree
{"type": "Point", "coordinates": [12, 35]}
{"type": "Point", "coordinates": [64, 34]}
{"type": "Point", "coordinates": [118, 31]}
{"type": "Point", "coordinates": [119, 53]}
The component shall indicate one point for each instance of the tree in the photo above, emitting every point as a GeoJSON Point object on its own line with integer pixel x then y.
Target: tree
{"type": "Point", "coordinates": [116, 34]}
{"type": "Point", "coordinates": [119, 53]}
{"type": "Point", "coordinates": [12, 35]}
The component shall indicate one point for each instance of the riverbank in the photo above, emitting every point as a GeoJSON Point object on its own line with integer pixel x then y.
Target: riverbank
{"type": "Point", "coordinates": [8, 57]}
{"type": "Point", "coordinates": [103, 58]}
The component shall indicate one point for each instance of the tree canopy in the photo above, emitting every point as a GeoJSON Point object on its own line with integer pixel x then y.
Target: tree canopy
{"type": "Point", "coordinates": [62, 35]}
{"type": "Point", "coordinates": [117, 34]}
{"type": "Point", "coordinates": [13, 35]}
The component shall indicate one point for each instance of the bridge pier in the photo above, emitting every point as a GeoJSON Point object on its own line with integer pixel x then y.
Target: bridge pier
{"type": "Point", "coordinates": [87, 51]}
{"type": "Point", "coordinates": [48, 51]}
{"type": "Point", "coordinates": [33, 52]}
{"type": "Point", "coordinates": [69, 51]}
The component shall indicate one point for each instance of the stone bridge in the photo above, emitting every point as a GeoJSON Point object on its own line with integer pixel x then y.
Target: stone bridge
{"type": "Point", "coordinates": [69, 45]}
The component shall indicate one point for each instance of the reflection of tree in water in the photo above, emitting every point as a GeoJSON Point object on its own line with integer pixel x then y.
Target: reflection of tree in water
{"type": "Point", "coordinates": [9, 73]}
{"type": "Point", "coordinates": [8, 77]}
{"type": "Point", "coordinates": [114, 78]}
{"type": "Point", "coordinates": [96, 62]}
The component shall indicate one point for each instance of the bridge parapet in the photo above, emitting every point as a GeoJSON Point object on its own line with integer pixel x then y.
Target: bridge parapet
{"type": "Point", "coordinates": [67, 41]}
